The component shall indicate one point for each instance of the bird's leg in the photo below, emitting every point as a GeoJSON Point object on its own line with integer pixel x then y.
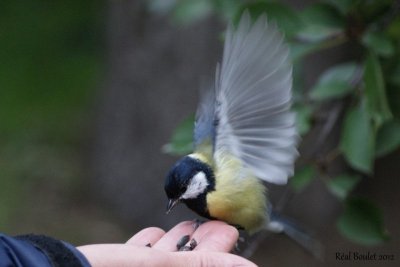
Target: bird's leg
{"type": "Point", "coordinates": [236, 249]}
{"type": "Point", "coordinates": [181, 245]}
{"type": "Point", "coordinates": [196, 223]}
{"type": "Point", "coordinates": [237, 226]}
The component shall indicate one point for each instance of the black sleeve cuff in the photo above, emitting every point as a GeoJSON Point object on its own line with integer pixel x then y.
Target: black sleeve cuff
{"type": "Point", "coordinates": [60, 254]}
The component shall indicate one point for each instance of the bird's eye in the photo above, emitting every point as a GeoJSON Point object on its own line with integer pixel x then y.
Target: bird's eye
{"type": "Point", "coordinates": [182, 189]}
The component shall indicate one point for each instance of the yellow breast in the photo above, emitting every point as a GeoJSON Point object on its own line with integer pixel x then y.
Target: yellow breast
{"type": "Point", "coordinates": [239, 197]}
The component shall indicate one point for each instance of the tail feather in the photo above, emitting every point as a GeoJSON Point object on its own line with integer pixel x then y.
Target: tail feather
{"type": "Point", "coordinates": [281, 224]}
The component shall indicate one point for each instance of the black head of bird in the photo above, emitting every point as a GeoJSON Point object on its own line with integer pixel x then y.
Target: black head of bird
{"type": "Point", "coordinates": [189, 181]}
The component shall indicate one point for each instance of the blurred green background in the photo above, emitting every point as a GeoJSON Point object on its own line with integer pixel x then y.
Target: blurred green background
{"type": "Point", "coordinates": [91, 91]}
{"type": "Point", "coordinates": [51, 58]}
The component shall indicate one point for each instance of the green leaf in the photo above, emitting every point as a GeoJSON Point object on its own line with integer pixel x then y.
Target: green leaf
{"type": "Point", "coordinates": [357, 140]}
{"type": "Point", "coordinates": [344, 6]}
{"type": "Point", "coordinates": [334, 82]}
{"type": "Point", "coordinates": [302, 178]}
{"type": "Point", "coordinates": [323, 14]}
{"type": "Point", "coordinates": [341, 72]}
{"type": "Point", "coordinates": [374, 10]}
{"type": "Point", "coordinates": [342, 185]}
{"type": "Point", "coordinates": [379, 43]}
{"type": "Point", "coordinates": [189, 11]}
{"type": "Point", "coordinates": [321, 21]}
{"type": "Point", "coordinates": [299, 96]}
{"type": "Point", "coordinates": [227, 8]}
{"type": "Point", "coordinates": [393, 29]}
{"type": "Point", "coordinates": [299, 50]}
{"type": "Point", "coordinates": [362, 222]}
{"type": "Point", "coordinates": [286, 19]}
{"type": "Point", "coordinates": [182, 139]}
{"type": "Point", "coordinates": [329, 90]}
{"type": "Point", "coordinates": [388, 138]}
{"type": "Point", "coordinates": [303, 118]}
{"type": "Point", "coordinates": [375, 91]}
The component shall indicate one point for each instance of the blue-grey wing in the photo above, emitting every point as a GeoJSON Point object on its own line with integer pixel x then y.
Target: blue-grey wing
{"type": "Point", "coordinates": [205, 120]}
{"type": "Point", "coordinates": [253, 90]}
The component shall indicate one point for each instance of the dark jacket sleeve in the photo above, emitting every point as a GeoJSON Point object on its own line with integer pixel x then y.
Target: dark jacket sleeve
{"type": "Point", "coordinates": [38, 250]}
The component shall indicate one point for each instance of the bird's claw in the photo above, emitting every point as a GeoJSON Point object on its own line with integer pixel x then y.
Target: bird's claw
{"type": "Point", "coordinates": [181, 245]}
{"type": "Point", "coordinates": [182, 242]}
{"type": "Point", "coordinates": [193, 244]}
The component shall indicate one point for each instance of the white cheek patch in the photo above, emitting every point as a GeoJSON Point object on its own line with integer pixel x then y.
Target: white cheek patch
{"type": "Point", "coordinates": [197, 185]}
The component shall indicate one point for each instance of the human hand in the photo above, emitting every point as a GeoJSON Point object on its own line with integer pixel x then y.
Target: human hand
{"type": "Point", "coordinates": [214, 241]}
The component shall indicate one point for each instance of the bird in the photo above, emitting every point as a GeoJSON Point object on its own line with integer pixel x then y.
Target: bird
{"type": "Point", "coordinates": [244, 132]}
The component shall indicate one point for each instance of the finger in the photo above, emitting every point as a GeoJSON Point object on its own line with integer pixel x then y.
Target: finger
{"type": "Point", "coordinates": [208, 259]}
{"type": "Point", "coordinates": [124, 255]}
{"type": "Point", "coordinates": [215, 236]}
{"type": "Point", "coordinates": [147, 236]}
{"type": "Point", "coordinates": [103, 255]}
{"type": "Point", "coordinates": [170, 239]}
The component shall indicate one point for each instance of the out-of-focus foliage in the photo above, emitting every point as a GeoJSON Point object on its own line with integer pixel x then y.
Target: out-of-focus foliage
{"type": "Point", "coordinates": [342, 185]}
{"type": "Point", "coordinates": [303, 118]}
{"type": "Point", "coordinates": [388, 138]}
{"type": "Point", "coordinates": [182, 139]}
{"type": "Point", "coordinates": [358, 139]}
{"type": "Point", "coordinates": [302, 177]}
{"type": "Point", "coordinates": [334, 82]}
{"type": "Point", "coordinates": [362, 222]}
{"type": "Point", "coordinates": [48, 67]}
{"type": "Point", "coordinates": [366, 90]}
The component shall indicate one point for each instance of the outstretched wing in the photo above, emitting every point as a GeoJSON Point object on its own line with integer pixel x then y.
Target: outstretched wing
{"type": "Point", "coordinates": [253, 99]}
{"type": "Point", "coordinates": [205, 123]}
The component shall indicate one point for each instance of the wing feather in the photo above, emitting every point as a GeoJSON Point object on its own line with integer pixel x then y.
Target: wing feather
{"type": "Point", "coordinates": [253, 99]}
{"type": "Point", "coordinates": [204, 128]}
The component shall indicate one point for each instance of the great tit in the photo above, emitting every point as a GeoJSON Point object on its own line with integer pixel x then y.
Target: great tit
{"type": "Point", "coordinates": [244, 131]}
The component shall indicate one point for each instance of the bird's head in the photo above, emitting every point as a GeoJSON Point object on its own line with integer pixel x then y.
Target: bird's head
{"type": "Point", "coordinates": [189, 181]}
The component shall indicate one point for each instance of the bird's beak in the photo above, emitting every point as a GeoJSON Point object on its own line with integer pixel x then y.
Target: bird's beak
{"type": "Point", "coordinates": [171, 204]}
